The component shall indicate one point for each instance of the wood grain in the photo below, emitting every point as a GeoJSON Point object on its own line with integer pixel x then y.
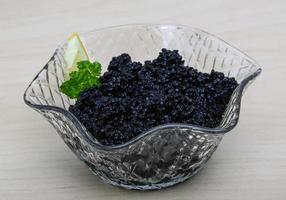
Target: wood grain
{"type": "Point", "coordinates": [34, 162]}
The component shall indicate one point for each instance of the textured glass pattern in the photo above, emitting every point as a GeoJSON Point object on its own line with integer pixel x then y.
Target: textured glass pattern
{"type": "Point", "coordinates": [167, 154]}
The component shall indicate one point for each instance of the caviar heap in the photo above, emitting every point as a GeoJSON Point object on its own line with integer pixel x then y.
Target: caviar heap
{"type": "Point", "coordinates": [133, 98]}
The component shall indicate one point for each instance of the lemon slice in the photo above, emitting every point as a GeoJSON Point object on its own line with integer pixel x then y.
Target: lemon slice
{"type": "Point", "coordinates": [74, 53]}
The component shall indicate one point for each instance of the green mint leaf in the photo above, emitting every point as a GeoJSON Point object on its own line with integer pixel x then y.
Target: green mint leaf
{"type": "Point", "coordinates": [85, 78]}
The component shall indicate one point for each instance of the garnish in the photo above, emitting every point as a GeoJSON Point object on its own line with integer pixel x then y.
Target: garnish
{"type": "Point", "coordinates": [86, 77]}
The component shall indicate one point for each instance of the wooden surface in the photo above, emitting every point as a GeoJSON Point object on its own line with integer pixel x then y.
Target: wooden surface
{"type": "Point", "coordinates": [35, 163]}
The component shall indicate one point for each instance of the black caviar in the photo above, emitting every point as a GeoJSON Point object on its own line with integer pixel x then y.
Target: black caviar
{"type": "Point", "coordinates": [133, 97]}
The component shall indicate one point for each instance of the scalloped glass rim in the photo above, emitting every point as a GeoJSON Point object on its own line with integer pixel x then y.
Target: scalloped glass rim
{"type": "Point", "coordinates": [218, 130]}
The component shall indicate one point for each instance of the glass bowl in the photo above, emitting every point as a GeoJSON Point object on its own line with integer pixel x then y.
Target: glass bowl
{"type": "Point", "coordinates": [166, 154]}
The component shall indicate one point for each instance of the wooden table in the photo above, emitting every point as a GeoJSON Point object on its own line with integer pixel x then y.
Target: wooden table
{"type": "Point", "coordinates": [250, 162]}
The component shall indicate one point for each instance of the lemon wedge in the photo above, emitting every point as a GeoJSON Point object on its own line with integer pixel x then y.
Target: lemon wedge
{"type": "Point", "coordinates": [75, 52]}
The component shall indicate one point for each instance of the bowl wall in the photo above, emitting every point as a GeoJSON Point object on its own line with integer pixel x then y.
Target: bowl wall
{"type": "Point", "coordinates": [166, 154]}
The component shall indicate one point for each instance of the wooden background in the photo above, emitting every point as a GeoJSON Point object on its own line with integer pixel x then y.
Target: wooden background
{"type": "Point", "coordinates": [35, 163]}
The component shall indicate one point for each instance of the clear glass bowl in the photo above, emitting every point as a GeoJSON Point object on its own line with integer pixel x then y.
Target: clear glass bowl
{"type": "Point", "coordinates": [166, 154]}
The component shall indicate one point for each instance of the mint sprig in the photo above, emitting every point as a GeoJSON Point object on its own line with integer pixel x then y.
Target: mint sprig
{"type": "Point", "coordinates": [85, 78]}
